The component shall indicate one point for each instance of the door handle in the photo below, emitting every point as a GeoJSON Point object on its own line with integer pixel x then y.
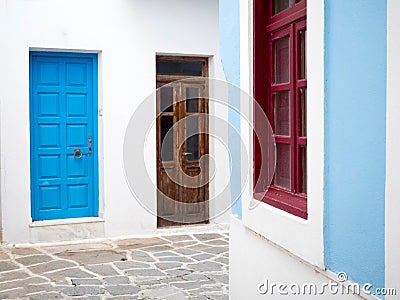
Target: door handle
{"type": "Point", "coordinates": [90, 140]}
{"type": "Point", "coordinates": [186, 153]}
{"type": "Point", "coordinates": [77, 153]}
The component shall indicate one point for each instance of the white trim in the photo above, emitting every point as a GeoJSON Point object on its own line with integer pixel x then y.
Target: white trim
{"type": "Point", "coordinates": [303, 238]}
{"type": "Point", "coordinates": [392, 205]}
{"type": "Point", "coordinates": [66, 221]}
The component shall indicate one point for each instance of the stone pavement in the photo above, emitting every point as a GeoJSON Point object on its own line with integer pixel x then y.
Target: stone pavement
{"type": "Point", "coordinates": [189, 266]}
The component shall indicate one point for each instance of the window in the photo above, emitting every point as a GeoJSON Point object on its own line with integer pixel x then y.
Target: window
{"type": "Point", "coordinates": [280, 87]}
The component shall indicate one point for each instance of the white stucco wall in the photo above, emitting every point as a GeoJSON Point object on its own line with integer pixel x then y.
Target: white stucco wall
{"type": "Point", "coordinates": [127, 35]}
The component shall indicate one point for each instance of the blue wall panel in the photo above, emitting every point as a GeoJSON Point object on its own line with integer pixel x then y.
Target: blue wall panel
{"type": "Point", "coordinates": [355, 114]}
{"type": "Point", "coordinates": [230, 54]}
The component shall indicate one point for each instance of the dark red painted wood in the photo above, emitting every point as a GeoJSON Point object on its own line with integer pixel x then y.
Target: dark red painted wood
{"type": "Point", "coordinates": [287, 23]}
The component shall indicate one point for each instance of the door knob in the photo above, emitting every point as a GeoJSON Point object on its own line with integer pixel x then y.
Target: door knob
{"type": "Point", "coordinates": [77, 153]}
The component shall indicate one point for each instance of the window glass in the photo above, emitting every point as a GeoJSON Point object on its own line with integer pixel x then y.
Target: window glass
{"type": "Point", "coordinates": [282, 170]}
{"type": "Point", "coordinates": [192, 99]}
{"type": "Point", "coordinates": [303, 161]}
{"type": "Point", "coordinates": [280, 5]}
{"type": "Point", "coordinates": [167, 140]}
{"type": "Point", "coordinates": [182, 68]}
{"type": "Point", "coordinates": [192, 138]}
{"type": "Point", "coordinates": [303, 54]}
{"type": "Point", "coordinates": [282, 113]}
{"type": "Point", "coordinates": [281, 60]}
{"type": "Point", "coordinates": [166, 99]}
{"type": "Point", "coordinates": [303, 111]}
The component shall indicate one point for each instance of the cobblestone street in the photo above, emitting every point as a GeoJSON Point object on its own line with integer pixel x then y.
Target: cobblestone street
{"type": "Point", "coordinates": [189, 266]}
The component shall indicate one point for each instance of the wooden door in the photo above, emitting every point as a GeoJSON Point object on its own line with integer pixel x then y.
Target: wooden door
{"type": "Point", "coordinates": [182, 148]}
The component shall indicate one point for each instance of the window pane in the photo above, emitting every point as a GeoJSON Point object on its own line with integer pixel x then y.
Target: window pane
{"type": "Point", "coordinates": [192, 138]}
{"type": "Point", "coordinates": [303, 111]}
{"type": "Point", "coordinates": [303, 157]}
{"type": "Point", "coordinates": [303, 54]}
{"type": "Point", "coordinates": [166, 99]}
{"type": "Point", "coordinates": [282, 113]}
{"type": "Point", "coordinates": [281, 60]}
{"type": "Point", "coordinates": [282, 170]}
{"type": "Point", "coordinates": [279, 5]}
{"type": "Point", "coordinates": [184, 68]}
{"type": "Point", "coordinates": [167, 140]}
{"type": "Point", "coordinates": [192, 100]}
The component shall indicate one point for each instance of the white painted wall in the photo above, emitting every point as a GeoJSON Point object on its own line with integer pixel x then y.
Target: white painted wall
{"type": "Point", "coordinates": [127, 34]}
{"type": "Point", "coordinates": [254, 259]}
{"type": "Point", "coordinates": [392, 205]}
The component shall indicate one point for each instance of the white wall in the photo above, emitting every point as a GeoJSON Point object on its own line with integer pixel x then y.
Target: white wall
{"type": "Point", "coordinates": [127, 34]}
{"type": "Point", "coordinates": [255, 260]}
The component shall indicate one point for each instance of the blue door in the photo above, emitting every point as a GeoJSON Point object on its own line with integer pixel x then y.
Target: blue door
{"type": "Point", "coordinates": [63, 120]}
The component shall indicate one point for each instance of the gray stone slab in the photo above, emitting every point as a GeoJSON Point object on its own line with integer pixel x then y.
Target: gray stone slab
{"type": "Point", "coordinates": [220, 278]}
{"type": "Point", "coordinates": [46, 296]}
{"type": "Point", "coordinates": [14, 294]}
{"type": "Point", "coordinates": [24, 251]}
{"type": "Point", "coordinates": [160, 248]}
{"type": "Point", "coordinates": [207, 266]}
{"type": "Point", "coordinates": [178, 238]}
{"type": "Point", "coordinates": [35, 288]}
{"type": "Point", "coordinates": [103, 270]}
{"type": "Point", "coordinates": [178, 245]}
{"type": "Point", "coordinates": [203, 256]}
{"type": "Point", "coordinates": [82, 290]}
{"type": "Point", "coordinates": [92, 257]}
{"type": "Point", "coordinates": [219, 242]}
{"type": "Point", "coordinates": [85, 281]}
{"type": "Point", "coordinates": [117, 290]}
{"type": "Point", "coordinates": [34, 259]}
{"type": "Point", "coordinates": [186, 251]}
{"type": "Point", "coordinates": [88, 298]}
{"type": "Point", "coordinates": [13, 275]}
{"type": "Point", "coordinates": [175, 259]}
{"type": "Point", "coordinates": [141, 256]}
{"type": "Point", "coordinates": [139, 243]}
{"type": "Point", "coordinates": [51, 266]}
{"type": "Point", "coordinates": [179, 272]}
{"type": "Point", "coordinates": [144, 272]}
{"type": "Point", "coordinates": [7, 266]}
{"type": "Point", "coordinates": [208, 236]}
{"type": "Point", "coordinates": [222, 260]}
{"type": "Point", "coordinates": [216, 250]}
{"type": "Point", "coordinates": [70, 273]}
{"type": "Point", "coordinates": [116, 280]}
{"type": "Point", "coordinates": [165, 253]}
{"type": "Point", "coordinates": [168, 265]}
{"type": "Point", "coordinates": [161, 293]}
{"type": "Point", "coordinates": [4, 256]}
{"type": "Point", "coordinates": [189, 285]}
{"type": "Point", "coordinates": [196, 277]}
{"type": "Point", "coordinates": [125, 265]}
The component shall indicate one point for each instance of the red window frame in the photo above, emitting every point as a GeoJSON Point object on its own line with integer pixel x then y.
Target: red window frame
{"type": "Point", "coordinates": [267, 29]}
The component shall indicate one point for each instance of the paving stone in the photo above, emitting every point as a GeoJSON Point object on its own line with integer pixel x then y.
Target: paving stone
{"type": "Point", "coordinates": [125, 265]}
{"type": "Point", "coordinates": [202, 256]}
{"type": "Point", "coordinates": [215, 250]}
{"type": "Point", "coordinates": [220, 278]}
{"type": "Point", "coordinates": [158, 248]}
{"type": "Point", "coordinates": [178, 245]}
{"type": "Point", "coordinates": [46, 296]}
{"type": "Point", "coordinates": [88, 298]}
{"type": "Point", "coordinates": [195, 277]}
{"type": "Point", "coordinates": [165, 253]}
{"type": "Point", "coordinates": [144, 272]}
{"type": "Point", "coordinates": [190, 285]}
{"type": "Point", "coordinates": [34, 259]}
{"type": "Point", "coordinates": [176, 259]}
{"type": "Point", "coordinates": [4, 256]}
{"type": "Point", "coordinates": [7, 266]}
{"type": "Point", "coordinates": [71, 273]}
{"type": "Point", "coordinates": [161, 293]}
{"type": "Point", "coordinates": [81, 290]}
{"type": "Point", "coordinates": [92, 257]}
{"type": "Point", "coordinates": [186, 251]}
{"type": "Point", "coordinates": [168, 265]}
{"type": "Point", "coordinates": [120, 289]}
{"type": "Point", "coordinates": [103, 270]}
{"type": "Point", "coordinates": [207, 236]}
{"type": "Point", "coordinates": [85, 281]}
{"type": "Point", "coordinates": [219, 297]}
{"type": "Point", "coordinates": [116, 280]}
{"type": "Point", "coordinates": [51, 266]}
{"type": "Point", "coordinates": [77, 247]}
{"type": "Point", "coordinates": [13, 275]}
{"type": "Point", "coordinates": [141, 256]}
{"type": "Point", "coordinates": [138, 243]}
{"type": "Point", "coordinates": [223, 260]}
{"type": "Point", "coordinates": [207, 266]}
{"type": "Point", "coordinates": [217, 243]}
{"type": "Point", "coordinates": [24, 251]}
{"type": "Point", "coordinates": [35, 288]}
{"type": "Point", "coordinates": [178, 238]}
{"type": "Point", "coordinates": [14, 294]}
{"type": "Point", "coordinates": [179, 272]}
{"type": "Point", "coordinates": [200, 247]}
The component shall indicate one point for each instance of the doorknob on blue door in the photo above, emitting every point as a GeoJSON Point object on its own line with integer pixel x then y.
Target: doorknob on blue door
{"type": "Point", "coordinates": [90, 139]}
{"type": "Point", "coordinates": [77, 153]}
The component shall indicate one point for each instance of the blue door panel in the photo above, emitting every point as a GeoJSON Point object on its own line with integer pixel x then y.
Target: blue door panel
{"type": "Point", "coordinates": [63, 117]}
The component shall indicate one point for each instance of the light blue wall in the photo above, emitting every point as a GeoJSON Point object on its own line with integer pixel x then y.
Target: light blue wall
{"type": "Point", "coordinates": [355, 114]}
{"type": "Point", "coordinates": [229, 24]}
